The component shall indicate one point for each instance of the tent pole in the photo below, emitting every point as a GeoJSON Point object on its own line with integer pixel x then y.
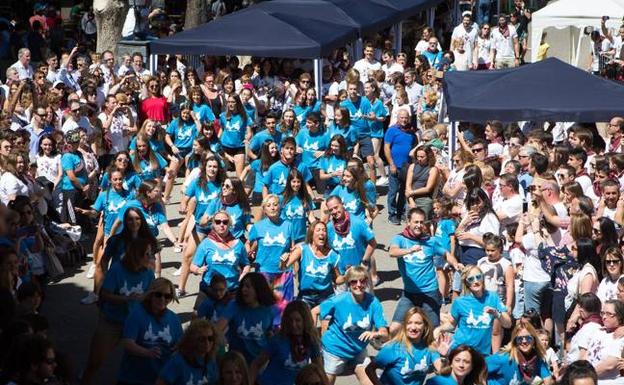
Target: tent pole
{"type": "Point", "coordinates": [397, 31]}
{"type": "Point", "coordinates": [359, 47]}
{"type": "Point", "coordinates": [318, 77]}
{"type": "Point", "coordinates": [431, 16]}
{"type": "Point", "coordinates": [153, 60]}
{"type": "Point", "coordinates": [577, 56]}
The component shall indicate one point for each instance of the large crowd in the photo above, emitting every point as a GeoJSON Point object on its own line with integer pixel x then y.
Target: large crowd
{"type": "Point", "coordinates": [510, 252]}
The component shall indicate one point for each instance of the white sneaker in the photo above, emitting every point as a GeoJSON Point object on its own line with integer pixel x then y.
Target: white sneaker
{"type": "Point", "coordinates": [177, 272]}
{"type": "Point", "coordinates": [91, 298]}
{"type": "Point", "coordinates": [382, 181]}
{"type": "Point", "coordinates": [91, 271]}
{"type": "Point", "coordinates": [180, 293]}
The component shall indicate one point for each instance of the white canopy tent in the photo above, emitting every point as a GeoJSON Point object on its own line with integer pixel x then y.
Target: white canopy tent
{"type": "Point", "coordinates": [574, 16]}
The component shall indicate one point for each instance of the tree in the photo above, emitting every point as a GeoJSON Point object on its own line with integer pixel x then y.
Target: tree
{"type": "Point", "coordinates": [195, 13]}
{"type": "Point", "coordinates": [109, 16]}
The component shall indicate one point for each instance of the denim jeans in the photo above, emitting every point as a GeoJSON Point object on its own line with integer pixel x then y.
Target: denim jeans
{"type": "Point", "coordinates": [430, 302]}
{"type": "Point", "coordinates": [538, 296]}
{"type": "Point", "coordinates": [396, 195]}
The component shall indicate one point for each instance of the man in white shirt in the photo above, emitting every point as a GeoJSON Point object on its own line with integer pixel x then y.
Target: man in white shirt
{"type": "Point", "coordinates": [390, 66]}
{"type": "Point", "coordinates": [108, 68]}
{"type": "Point", "coordinates": [53, 64]}
{"type": "Point", "coordinates": [412, 88]}
{"type": "Point", "coordinates": [22, 65]}
{"type": "Point", "coordinates": [600, 46]}
{"type": "Point", "coordinates": [547, 193]}
{"type": "Point", "coordinates": [138, 65]}
{"type": "Point", "coordinates": [505, 48]}
{"type": "Point", "coordinates": [616, 41]}
{"type": "Point", "coordinates": [467, 32]}
{"type": "Point", "coordinates": [610, 197]}
{"type": "Point", "coordinates": [367, 64]}
{"type": "Point", "coordinates": [76, 120]}
{"type": "Point", "coordinates": [509, 208]}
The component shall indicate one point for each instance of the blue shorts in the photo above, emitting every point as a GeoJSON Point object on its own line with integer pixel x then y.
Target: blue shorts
{"type": "Point", "coordinates": [366, 147]}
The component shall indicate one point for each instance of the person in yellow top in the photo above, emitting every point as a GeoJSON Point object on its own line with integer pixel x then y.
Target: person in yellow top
{"type": "Point", "coordinates": [542, 50]}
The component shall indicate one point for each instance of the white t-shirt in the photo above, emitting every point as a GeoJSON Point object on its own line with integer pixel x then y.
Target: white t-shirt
{"type": "Point", "coordinates": [607, 289]}
{"type": "Point", "coordinates": [413, 93]}
{"type": "Point", "coordinates": [582, 339]}
{"type": "Point", "coordinates": [561, 210]}
{"type": "Point", "coordinates": [494, 275]}
{"type": "Point", "coordinates": [586, 184]}
{"type": "Point", "coordinates": [394, 67]}
{"type": "Point", "coordinates": [597, 49]}
{"type": "Point", "coordinates": [119, 141]}
{"type": "Point", "coordinates": [512, 208]}
{"type": "Point", "coordinates": [574, 283]}
{"type": "Point", "coordinates": [533, 271]}
{"type": "Point", "coordinates": [601, 346]}
{"type": "Point", "coordinates": [468, 36]}
{"type": "Point", "coordinates": [456, 178]}
{"type": "Point", "coordinates": [484, 46]}
{"type": "Point", "coordinates": [49, 167]}
{"type": "Point", "coordinates": [10, 187]}
{"type": "Point", "coordinates": [504, 45]}
{"type": "Point", "coordinates": [364, 67]}
{"type": "Point", "coordinates": [489, 224]}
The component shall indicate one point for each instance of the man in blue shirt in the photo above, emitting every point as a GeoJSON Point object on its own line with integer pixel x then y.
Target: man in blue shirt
{"type": "Point", "coordinates": [269, 133]}
{"type": "Point", "coordinates": [398, 142]}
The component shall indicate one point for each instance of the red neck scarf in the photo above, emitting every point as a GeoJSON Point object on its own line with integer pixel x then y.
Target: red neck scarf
{"type": "Point", "coordinates": [582, 172]}
{"type": "Point", "coordinates": [409, 234]}
{"type": "Point", "coordinates": [226, 239]}
{"type": "Point", "coordinates": [342, 227]}
{"type": "Point", "coordinates": [528, 366]}
{"type": "Point", "coordinates": [616, 142]}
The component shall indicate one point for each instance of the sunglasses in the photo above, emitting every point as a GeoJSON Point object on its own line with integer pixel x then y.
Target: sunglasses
{"type": "Point", "coordinates": [522, 339]}
{"type": "Point", "coordinates": [75, 111]}
{"type": "Point", "coordinates": [221, 222]}
{"type": "Point", "coordinates": [607, 314]}
{"type": "Point", "coordinates": [354, 282]}
{"type": "Point", "coordinates": [596, 231]}
{"type": "Point", "coordinates": [612, 261]}
{"type": "Point", "coordinates": [474, 278]}
{"type": "Point", "coordinates": [159, 295]}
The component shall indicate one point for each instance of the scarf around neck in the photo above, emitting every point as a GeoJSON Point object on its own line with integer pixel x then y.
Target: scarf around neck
{"type": "Point", "coordinates": [527, 367]}
{"type": "Point", "coordinates": [342, 227]}
{"type": "Point", "coordinates": [409, 234]}
{"type": "Point", "coordinates": [213, 236]}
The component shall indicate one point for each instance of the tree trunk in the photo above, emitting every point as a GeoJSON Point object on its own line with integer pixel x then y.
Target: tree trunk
{"type": "Point", "coordinates": [109, 16]}
{"type": "Point", "coordinates": [195, 13]}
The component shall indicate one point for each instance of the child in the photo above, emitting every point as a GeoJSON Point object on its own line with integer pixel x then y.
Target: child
{"type": "Point", "coordinates": [216, 301]}
{"type": "Point", "coordinates": [551, 357]}
{"type": "Point", "coordinates": [499, 278]}
{"type": "Point", "coordinates": [445, 230]}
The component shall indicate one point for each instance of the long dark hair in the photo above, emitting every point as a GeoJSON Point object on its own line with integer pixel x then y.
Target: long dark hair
{"type": "Point", "coordinates": [240, 110]}
{"type": "Point", "coordinates": [239, 191]}
{"type": "Point", "coordinates": [302, 194]}
{"type": "Point", "coordinates": [473, 177]}
{"type": "Point", "coordinates": [203, 177]}
{"type": "Point", "coordinates": [586, 253]}
{"type": "Point", "coordinates": [135, 251]}
{"type": "Point", "coordinates": [261, 287]}
{"type": "Point", "coordinates": [266, 160]}
{"type": "Point", "coordinates": [608, 231]}
{"type": "Point", "coordinates": [477, 195]}
{"type": "Point", "coordinates": [343, 153]}
{"type": "Point", "coordinates": [144, 231]}
{"type": "Point", "coordinates": [51, 138]}
{"type": "Point", "coordinates": [478, 374]}
{"type": "Point", "coordinates": [310, 338]}
{"type": "Point", "coordinates": [151, 156]}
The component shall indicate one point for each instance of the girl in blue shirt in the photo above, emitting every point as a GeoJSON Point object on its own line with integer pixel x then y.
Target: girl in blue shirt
{"type": "Point", "coordinates": [249, 318]}
{"type": "Point", "coordinates": [194, 159]}
{"type": "Point", "coordinates": [131, 181]}
{"type": "Point", "coordinates": [333, 163]}
{"type": "Point", "coordinates": [268, 155]}
{"type": "Point", "coordinates": [356, 318]}
{"type": "Point", "coordinates": [372, 92]}
{"type": "Point", "coordinates": [297, 205]}
{"type": "Point", "coordinates": [444, 230]}
{"type": "Point", "coordinates": [124, 285]}
{"type": "Point", "coordinates": [234, 201]}
{"type": "Point", "coordinates": [220, 253]}
{"type": "Point", "coordinates": [521, 361]}
{"type": "Point", "coordinates": [147, 163]}
{"type": "Point", "coordinates": [155, 135]}
{"type": "Point", "coordinates": [342, 126]}
{"type": "Point", "coordinates": [318, 266]}
{"type": "Point", "coordinates": [194, 362]}
{"type": "Point", "coordinates": [295, 346]}
{"type": "Point", "coordinates": [409, 356]}
{"type": "Point", "coordinates": [351, 191]}
{"type": "Point", "coordinates": [208, 132]}
{"type": "Point", "coordinates": [289, 126]}
{"type": "Point", "coordinates": [199, 106]}
{"type": "Point", "coordinates": [150, 335]}
{"type": "Point", "coordinates": [369, 187]}
{"type": "Point", "coordinates": [466, 366]}
{"type": "Point", "coordinates": [474, 312]}
{"type": "Point", "coordinates": [213, 307]}
{"type": "Point", "coordinates": [269, 241]}
{"type": "Point", "coordinates": [234, 129]}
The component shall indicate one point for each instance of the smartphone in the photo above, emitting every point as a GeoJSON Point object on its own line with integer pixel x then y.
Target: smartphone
{"type": "Point", "coordinates": [525, 206]}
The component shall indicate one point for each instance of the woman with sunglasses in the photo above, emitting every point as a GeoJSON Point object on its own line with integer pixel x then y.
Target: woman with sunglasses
{"type": "Point", "coordinates": [121, 162]}
{"type": "Point", "coordinates": [155, 106]}
{"type": "Point", "coordinates": [612, 270]}
{"type": "Point", "coordinates": [523, 360]}
{"type": "Point", "coordinates": [220, 253]}
{"type": "Point", "coordinates": [150, 335]}
{"type": "Point", "coordinates": [249, 318]}
{"type": "Point", "coordinates": [465, 366]}
{"type": "Point", "coordinates": [294, 346]}
{"type": "Point", "coordinates": [474, 313]}
{"type": "Point", "coordinates": [479, 219]}
{"type": "Point", "coordinates": [356, 319]}
{"type": "Point", "coordinates": [124, 286]}
{"type": "Point", "coordinates": [604, 233]}
{"type": "Point", "coordinates": [195, 359]}
{"type": "Point", "coordinates": [234, 201]}
{"type": "Point", "coordinates": [411, 353]}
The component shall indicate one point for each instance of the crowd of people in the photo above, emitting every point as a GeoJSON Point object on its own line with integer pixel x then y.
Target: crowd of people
{"type": "Point", "coordinates": [281, 198]}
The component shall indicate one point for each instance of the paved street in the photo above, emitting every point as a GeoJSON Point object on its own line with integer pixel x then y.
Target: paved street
{"type": "Point", "coordinates": [72, 324]}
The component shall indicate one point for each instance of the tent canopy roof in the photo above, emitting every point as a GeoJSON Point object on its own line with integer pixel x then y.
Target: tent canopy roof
{"type": "Point", "coordinates": [550, 90]}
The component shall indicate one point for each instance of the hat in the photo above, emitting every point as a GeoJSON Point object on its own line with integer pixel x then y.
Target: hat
{"type": "Point", "coordinates": [57, 83]}
{"type": "Point", "coordinates": [72, 136]}
{"type": "Point", "coordinates": [436, 143]}
{"type": "Point", "coordinates": [466, 13]}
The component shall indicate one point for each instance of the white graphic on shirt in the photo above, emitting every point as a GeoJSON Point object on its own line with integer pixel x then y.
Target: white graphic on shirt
{"type": "Point", "coordinates": [184, 133]}
{"type": "Point", "coordinates": [351, 205]}
{"type": "Point", "coordinates": [254, 332]}
{"type": "Point", "coordinates": [515, 380]}
{"type": "Point", "coordinates": [228, 257]}
{"type": "Point", "coordinates": [200, 381]}
{"type": "Point", "coordinates": [232, 125]}
{"type": "Point", "coordinates": [164, 335]}
{"type": "Point", "coordinates": [279, 239]}
{"type": "Point", "coordinates": [416, 256]}
{"type": "Point", "coordinates": [321, 271]}
{"type": "Point", "coordinates": [346, 241]}
{"type": "Point", "coordinates": [113, 208]}
{"type": "Point", "coordinates": [297, 213]}
{"type": "Point", "coordinates": [364, 323]}
{"type": "Point", "coordinates": [150, 221]}
{"type": "Point", "coordinates": [138, 289]}
{"type": "Point", "coordinates": [310, 147]}
{"type": "Point", "coordinates": [290, 363]}
{"type": "Point", "coordinates": [331, 168]}
{"type": "Point", "coordinates": [422, 366]}
{"type": "Point", "coordinates": [483, 321]}
{"type": "Point", "coordinates": [282, 180]}
{"type": "Point", "coordinates": [205, 197]}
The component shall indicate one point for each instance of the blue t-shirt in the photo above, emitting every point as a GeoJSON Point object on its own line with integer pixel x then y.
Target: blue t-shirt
{"type": "Point", "coordinates": [156, 145]}
{"type": "Point", "coordinates": [115, 248]}
{"type": "Point", "coordinates": [502, 370]}
{"type": "Point", "coordinates": [442, 380]}
{"type": "Point", "coordinates": [276, 176]}
{"type": "Point", "coordinates": [154, 215]}
{"type": "Point", "coordinates": [283, 368]}
{"type": "Point", "coordinates": [227, 262]}
{"type": "Point", "coordinates": [311, 142]}
{"type": "Point", "coordinates": [147, 170]}
{"type": "Point", "coordinates": [401, 143]}
{"type": "Point", "coordinates": [274, 239]}
{"type": "Point", "coordinates": [239, 218]}
{"type": "Point", "coordinates": [352, 246]}
{"type": "Point", "coordinates": [131, 181]}
{"type": "Point", "coordinates": [233, 130]}
{"type": "Point", "coordinates": [148, 332]}
{"type": "Point", "coordinates": [120, 281]}
{"type": "Point", "coordinates": [250, 110]}
{"type": "Point", "coordinates": [351, 201]}
{"type": "Point", "coordinates": [316, 273]}
{"type": "Point", "coordinates": [358, 110]}
{"type": "Point", "coordinates": [183, 133]}
{"type": "Point", "coordinates": [331, 164]}
{"type": "Point", "coordinates": [348, 133]}
{"type": "Point", "coordinates": [262, 137]}
{"type": "Point", "coordinates": [371, 192]}
{"type": "Point", "coordinates": [178, 371]}
{"type": "Point", "coordinates": [444, 231]}
{"type": "Point", "coordinates": [256, 167]}
{"type": "Point", "coordinates": [72, 161]}
{"type": "Point", "coordinates": [376, 126]}
{"type": "Point", "coordinates": [110, 202]}
{"type": "Point", "coordinates": [204, 112]}
{"type": "Point", "coordinates": [248, 328]}
{"type": "Point", "coordinates": [417, 270]}
{"type": "Point", "coordinates": [203, 196]}
{"type": "Point", "coordinates": [297, 214]}
{"type": "Point", "coordinates": [211, 309]}
{"type": "Point", "coordinates": [403, 367]}
{"type": "Point", "coordinates": [474, 325]}
{"type": "Point", "coordinates": [349, 320]}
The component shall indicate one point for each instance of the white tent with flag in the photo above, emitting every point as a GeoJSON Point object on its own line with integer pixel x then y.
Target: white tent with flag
{"type": "Point", "coordinates": [572, 16]}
